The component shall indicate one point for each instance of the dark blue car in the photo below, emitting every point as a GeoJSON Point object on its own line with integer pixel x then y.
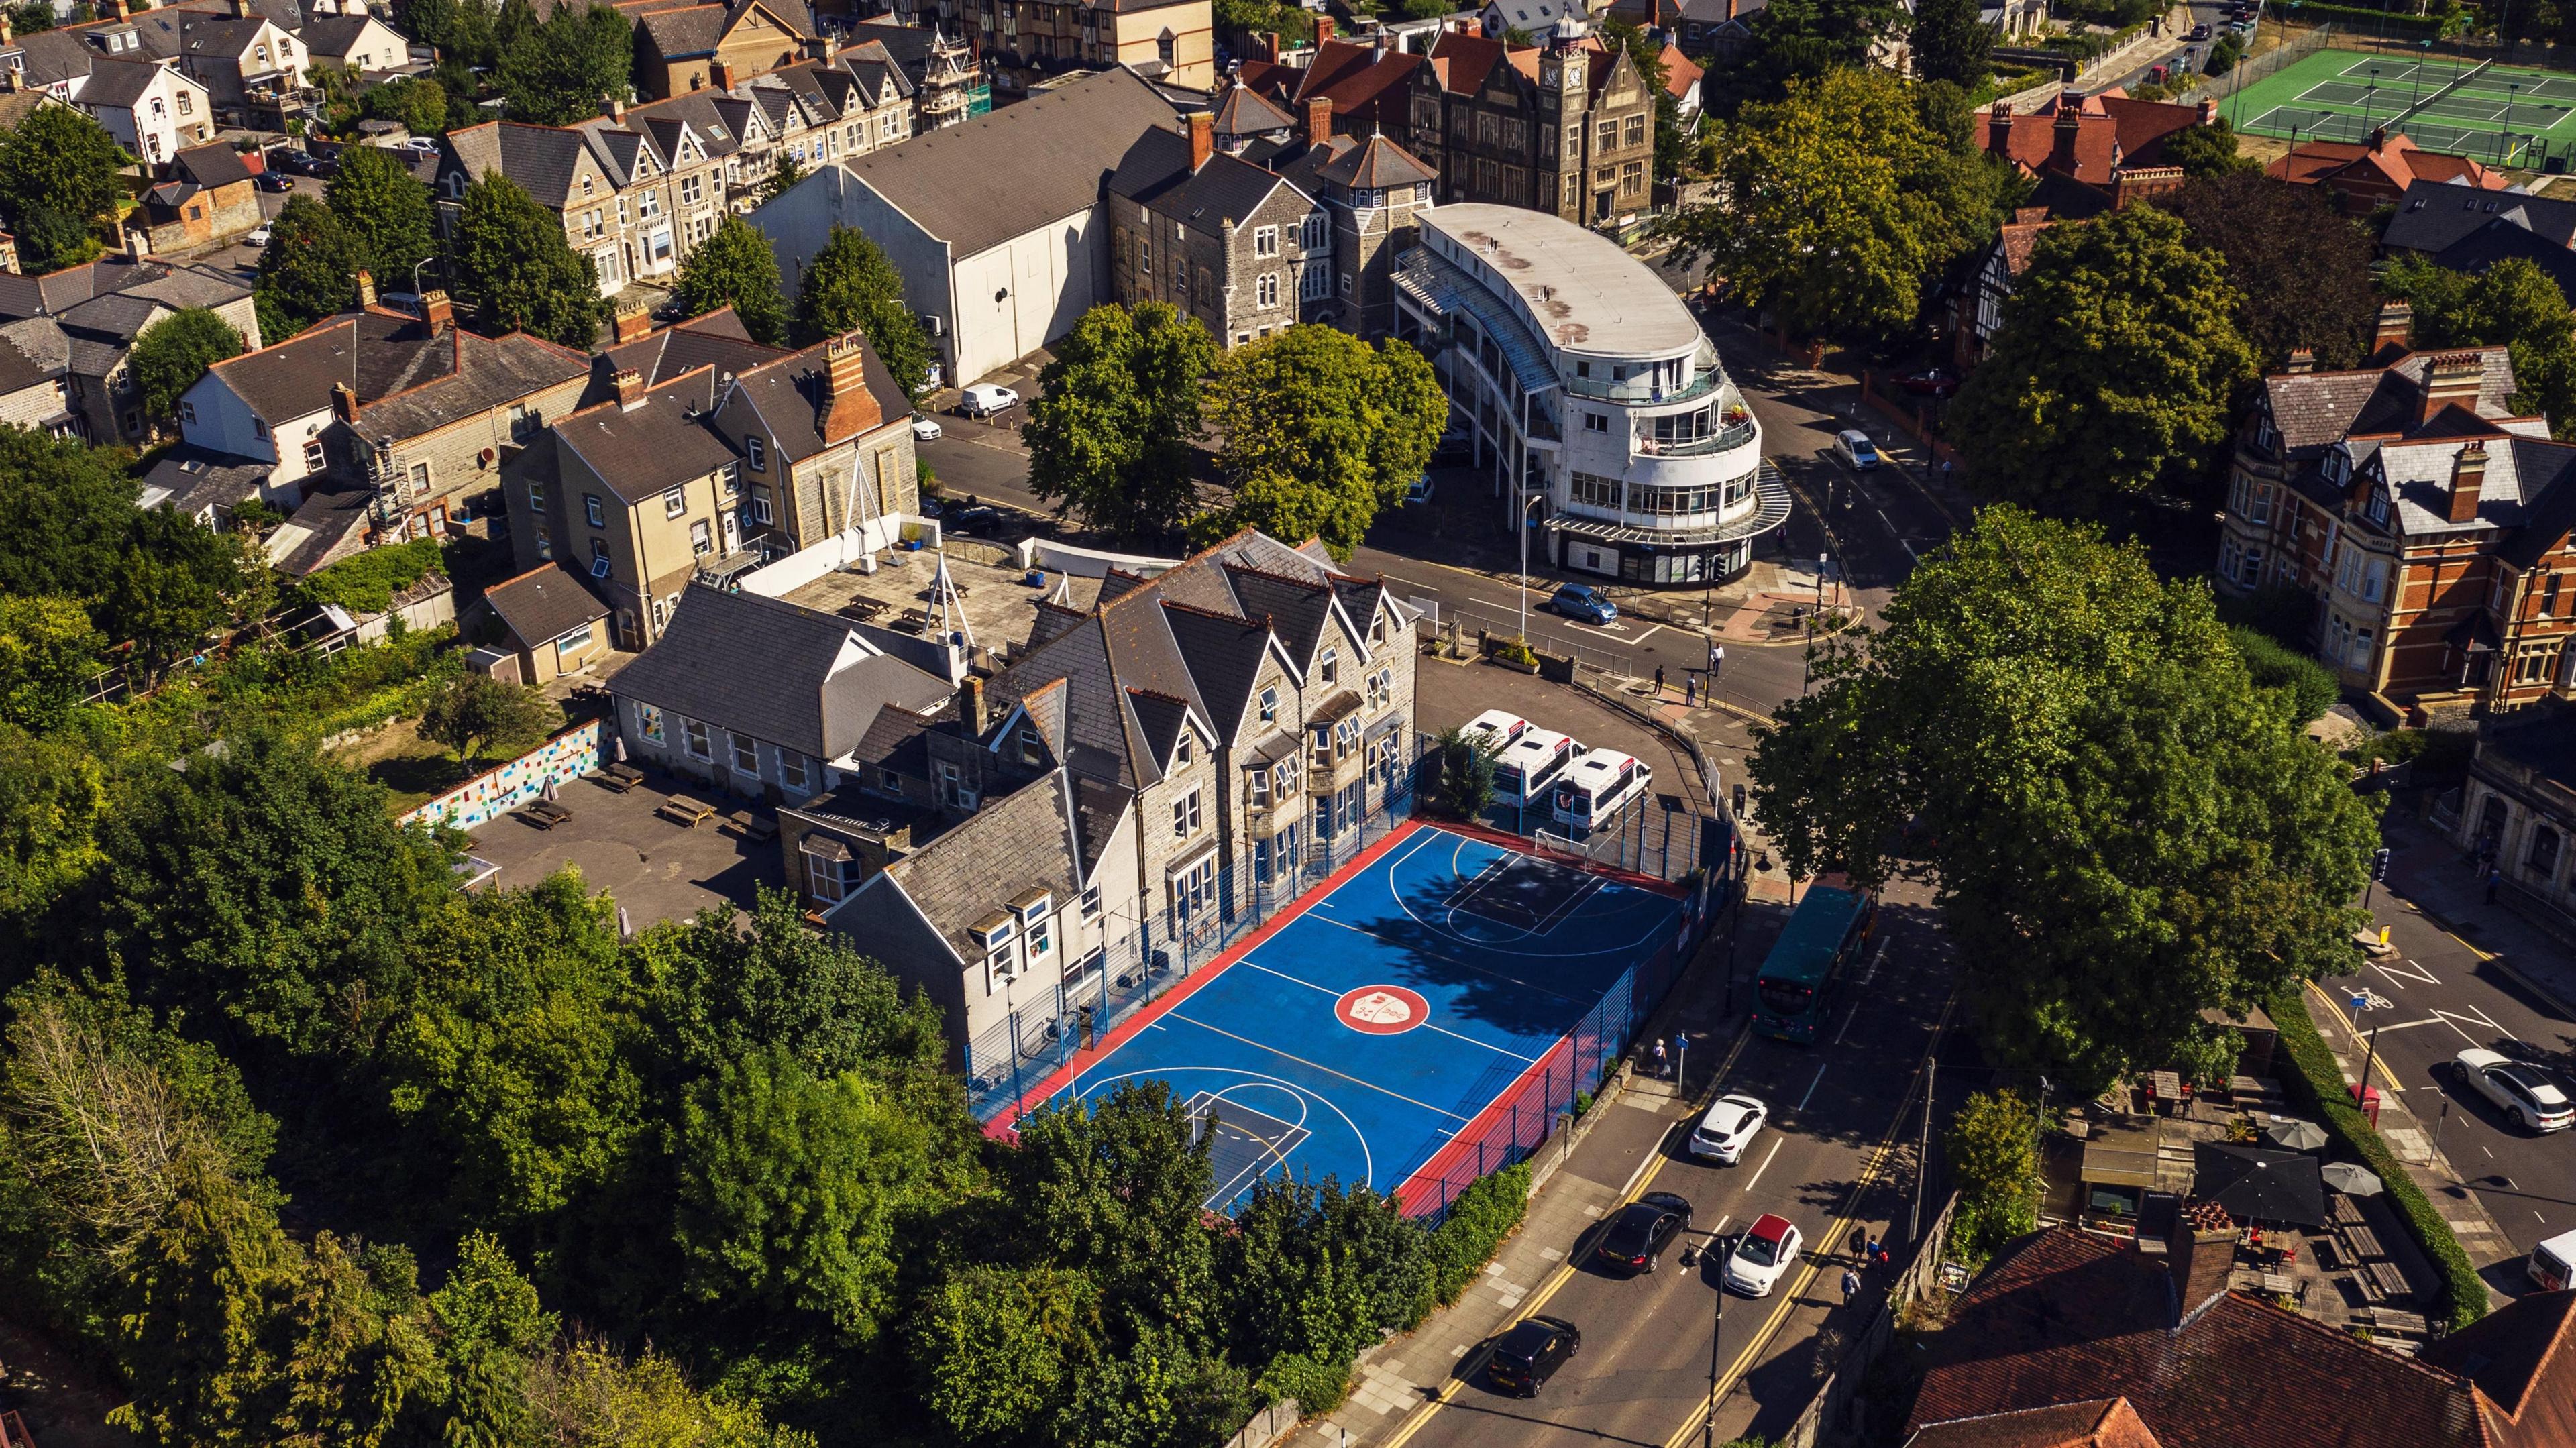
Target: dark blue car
{"type": "Point", "coordinates": [1583, 602]}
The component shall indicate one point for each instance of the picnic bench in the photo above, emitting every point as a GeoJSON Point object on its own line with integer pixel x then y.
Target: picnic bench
{"type": "Point", "coordinates": [2397, 1320]}
{"type": "Point", "coordinates": [863, 607]}
{"type": "Point", "coordinates": [751, 826]}
{"type": "Point", "coordinates": [687, 811]}
{"type": "Point", "coordinates": [545, 814]}
{"type": "Point", "coordinates": [621, 777]}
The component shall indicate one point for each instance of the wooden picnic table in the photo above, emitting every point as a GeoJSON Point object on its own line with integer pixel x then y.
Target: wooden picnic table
{"type": "Point", "coordinates": [621, 777]}
{"type": "Point", "coordinates": [751, 826]}
{"type": "Point", "coordinates": [690, 812]}
{"type": "Point", "coordinates": [545, 814]}
{"type": "Point", "coordinates": [2281, 1284]}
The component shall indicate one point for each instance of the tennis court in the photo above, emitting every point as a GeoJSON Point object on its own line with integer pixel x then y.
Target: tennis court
{"type": "Point", "coordinates": [1415, 1024]}
{"type": "Point", "coordinates": [2499, 114]}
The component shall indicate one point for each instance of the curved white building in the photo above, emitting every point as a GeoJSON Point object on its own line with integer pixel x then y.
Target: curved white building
{"type": "Point", "coordinates": [1583, 377]}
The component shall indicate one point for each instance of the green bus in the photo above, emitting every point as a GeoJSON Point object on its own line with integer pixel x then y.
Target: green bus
{"type": "Point", "coordinates": [1795, 990]}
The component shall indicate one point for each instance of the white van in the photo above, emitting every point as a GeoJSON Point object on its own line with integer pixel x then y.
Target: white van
{"type": "Point", "coordinates": [2553, 1263]}
{"type": "Point", "coordinates": [1495, 729]}
{"type": "Point", "coordinates": [1525, 771]}
{"type": "Point", "coordinates": [1597, 786]}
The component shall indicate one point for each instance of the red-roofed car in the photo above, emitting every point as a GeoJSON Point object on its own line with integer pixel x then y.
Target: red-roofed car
{"type": "Point", "coordinates": [1763, 1255]}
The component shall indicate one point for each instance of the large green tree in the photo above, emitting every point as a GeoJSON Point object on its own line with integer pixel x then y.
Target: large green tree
{"type": "Point", "coordinates": [174, 352]}
{"type": "Point", "coordinates": [2113, 373]}
{"type": "Point", "coordinates": [1113, 431]}
{"type": "Point", "coordinates": [2512, 304]}
{"type": "Point", "coordinates": [1840, 200]}
{"type": "Point", "coordinates": [65, 511]}
{"type": "Point", "coordinates": [558, 72]}
{"type": "Point", "coordinates": [2208, 152]}
{"type": "Point", "coordinates": [510, 256]}
{"type": "Point", "coordinates": [176, 584]}
{"type": "Point", "coordinates": [850, 286]}
{"type": "Point", "coordinates": [1953, 42]}
{"type": "Point", "coordinates": [2125, 830]}
{"type": "Point", "coordinates": [735, 268]}
{"type": "Point", "coordinates": [385, 210]}
{"type": "Point", "coordinates": [49, 650]}
{"type": "Point", "coordinates": [1002, 1349]}
{"type": "Point", "coordinates": [474, 713]}
{"type": "Point", "coordinates": [417, 102]}
{"type": "Point", "coordinates": [1791, 41]}
{"type": "Point", "coordinates": [58, 180]}
{"type": "Point", "coordinates": [308, 270]}
{"type": "Point", "coordinates": [1993, 1150]}
{"type": "Point", "coordinates": [1320, 432]}
{"type": "Point", "coordinates": [2299, 267]}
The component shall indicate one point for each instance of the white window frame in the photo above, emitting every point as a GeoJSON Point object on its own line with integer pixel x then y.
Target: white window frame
{"type": "Point", "coordinates": [698, 740]}
{"type": "Point", "coordinates": [648, 721]}
{"type": "Point", "coordinates": [675, 503]}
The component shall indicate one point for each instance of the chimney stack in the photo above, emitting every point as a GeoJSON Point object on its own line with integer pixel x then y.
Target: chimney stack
{"type": "Point", "coordinates": [344, 402]}
{"type": "Point", "coordinates": [1999, 121]}
{"type": "Point", "coordinates": [970, 705]}
{"type": "Point", "coordinates": [2208, 112]}
{"type": "Point", "coordinates": [2468, 475]}
{"type": "Point", "coordinates": [630, 389]}
{"type": "Point", "coordinates": [720, 75]}
{"type": "Point", "coordinates": [2396, 327]}
{"type": "Point", "coordinates": [634, 321]}
{"type": "Point", "coordinates": [437, 311]}
{"type": "Point", "coordinates": [2070, 125]}
{"type": "Point", "coordinates": [849, 407]}
{"type": "Point", "coordinates": [366, 290]}
{"type": "Point", "coordinates": [124, 12]}
{"type": "Point", "coordinates": [613, 108]}
{"type": "Point", "coordinates": [2203, 1253]}
{"type": "Point", "coordinates": [2302, 359]}
{"type": "Point", "coordinates": [1202, 139]}
{"type": "Point", "coordinates": [2453, 377]}
{"type": "Point", "coordinates": [1319, 121]}
{"type": "Point", "coordinates": [241, 9]}
{"type": "Point", "coordinates": [4, 30]}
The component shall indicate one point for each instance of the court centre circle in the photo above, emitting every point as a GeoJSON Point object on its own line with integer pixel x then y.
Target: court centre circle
{"type": "Point", "coordinates": [1382, 1010]}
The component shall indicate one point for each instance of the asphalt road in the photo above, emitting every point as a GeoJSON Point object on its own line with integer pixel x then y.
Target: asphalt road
{"type": "Point", "coordinates": [1642, 1375]}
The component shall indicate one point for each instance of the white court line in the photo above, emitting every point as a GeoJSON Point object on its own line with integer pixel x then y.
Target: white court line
{"type": "Point", "coordinates": [1426, 1025]}
{"type": "Point", "coordinates": [1453, 960]}
{"type": "Point", "coordinates": [1812, 1085]}
{"type": "Point", "coordinates": [1368, 1159]}
{"type": "Point", "coordinates": [1776, 1143]}
{"type": "Point", "coordinates": [1313, 1066]}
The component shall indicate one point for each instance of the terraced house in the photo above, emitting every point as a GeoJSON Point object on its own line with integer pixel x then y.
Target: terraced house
{"type": "Point", "coordinates": [633, 207]}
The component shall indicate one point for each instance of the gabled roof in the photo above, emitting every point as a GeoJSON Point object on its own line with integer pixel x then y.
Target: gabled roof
{"type": "Point", "coordinates": [2315, 409]}
{"type": "Point", "coordinates": [212, 165]}
{"type": "Point", "coordinates": [2432, 215]}
{"type": "Point", "coordinates": [337, 35]}
{"type": "Point", "coordinates": [793, 396]}
{"type": "Point", "coordinates": [1023, 841]}
{"type": "Point", "coordinates": [1374, 165]}
{"type": "Point", "coordinates": [692, 31]}
{"type": "Point", "coordinates": [662, 441]}
{"type": "Point", "coordinates": [2393, 162]}
{"type": "Point", "coordinates": [1225, 190]}
{"type": "Point", "coordinates": [409, 379]}
{"type": "Point", "coordinates": [714, 339]}
{"type": "Point", "coordinates": [2520, 1354]}
{"type": "Point", "coordinates": [1243, 111]}
{"type": "Point", "coordinates": [543, 604]}
{"type": "Point", "coordinates": [1361, 83]}
{"type": "Point", "coordinates": [188, 479]}
{"type": "Point", "coordinates": [1470, 60]}
{"type": "Point", "coordinates": [772, 670]}
{"type": "Point", "coordinates": [544, 160]}
{"type": "Point", "coordinates": [2097, 1423]}
{"type": "Point", "coordinates": [116, 82]}
{"type": "Point", "coordinates": [56, 293]}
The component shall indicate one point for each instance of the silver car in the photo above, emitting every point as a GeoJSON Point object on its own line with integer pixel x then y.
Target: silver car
{"type": "Point", "coordinates": [2531, 1096]}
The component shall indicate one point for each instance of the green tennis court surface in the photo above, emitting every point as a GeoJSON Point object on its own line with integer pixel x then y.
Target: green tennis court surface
{"type": "Point", "coordinates": [2504, 115]}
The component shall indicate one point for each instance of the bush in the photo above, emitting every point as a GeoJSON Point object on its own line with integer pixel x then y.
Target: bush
{"type": "Point", "coordinates": [1489, 1210]}
{"type": "Point", "coordinates": [1466, 776]}
{"type": "Point", "coordinates": [367, 582]}
{"type": "Point", "coordinates": [2437, 754]}
{"type": "Point", "coordinates": [2311, 685]}
{"type": "Point", "coordinates": [1318, 1387]}
{"type": "Point", "coordinates": [2315, 1078]}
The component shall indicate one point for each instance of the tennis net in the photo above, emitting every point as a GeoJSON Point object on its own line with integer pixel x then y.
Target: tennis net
{"type": "Point", "coordinates": [2463, 78]}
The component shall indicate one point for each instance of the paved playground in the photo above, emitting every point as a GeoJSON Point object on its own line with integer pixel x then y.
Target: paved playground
{"type": "Point", "coordinates": [2502, 115]}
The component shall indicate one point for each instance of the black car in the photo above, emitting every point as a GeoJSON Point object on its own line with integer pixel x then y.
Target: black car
{"type": "Point", "coordinates": [1638, 1235]}
{"type": "Point", "coordinates": [276, 181]}
{"type": "Point", "coordinates": [2198, 32]}
{"type": "Point", "coordinates": [980, 518]}
{"type": "Point", "coordinates": [1531, 1352]}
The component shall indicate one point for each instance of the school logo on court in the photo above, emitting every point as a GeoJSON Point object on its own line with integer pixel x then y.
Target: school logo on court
{"type": "Point", "coordinates": [1382, 1010]}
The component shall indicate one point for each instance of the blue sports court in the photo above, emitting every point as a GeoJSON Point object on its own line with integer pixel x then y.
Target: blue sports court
{"type": "Point", "coordinates": [1389, 1033]}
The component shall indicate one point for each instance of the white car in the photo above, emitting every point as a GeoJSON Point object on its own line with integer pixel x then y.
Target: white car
{"type": "Point", "coordinates": [985, 400]}
{"type": "Point", "coordinates": [1855, 448]}
{"type": "Point", "coordinates": [1763, 1255]}
{"type": "Point", "coordinates": [1419, 490]}
{"type": "Point", "coordinates": [1730, 1125]}
{"type": "Point", "coordinates": [924, 429]}
{"type": "Point", "coordinates": [258, 237]}
{"type": "Point", "coordinates": [2531, 1096]}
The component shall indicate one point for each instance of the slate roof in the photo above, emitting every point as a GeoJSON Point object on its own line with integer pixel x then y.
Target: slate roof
{"type": "Point", "coordinates": [2065, 1316]}
{"type": "Point", "coordinates": [2505, 238]}
{"type": "Point", "coordinates": [1226, 189]}
{"type": "Point", "coordinates": [19, 369]}
{"type": "Point", "coordinates": [328, 526]}
{"type": "Point", "coordinates": [1243, 111]}
{"type": "Point", "coordinates": [41, 341]}
{"type": "Point", "coordinates": [544, 603]}
{"type": "Point", "coordinates": [693, 31]}
{"type": "Point", "coordinates": [2314, 409]}
{"type": "Point", "coordinates": [2433, 215]}
{"type": "Point", "coordinates": [716, 119]}
{"type": "Point", "coordinates": [188, 478]}
{"type": "Point", "coordinates": [1033, 163]}
{"type": "Point", "coordinates": [792, 393]}
{"type": "Point", "coordinates": [335, 35]}
{"type": "Point", "coordinates": [408, 379]}
{"type": "Point", "coordinates": [764, 667]}
{"type": "Point", "coordinates": [543, 160]}
{"type": "Point", "coordinates": [484, 373]}
{"type": "Point", "coordinates": [1376, 164]}
{"type": "Point", "coordinates": [213, 165]}
{"type": "Point", "coordinates": [1019, 842]}
{"type": "Point", "coordinates": [661, 442]}
{"type": "Point", "coordinates": [117, 82]}
{"type": "Point", "coordinates": [56, 293]}
{"type": "Point", "coordinates": [714, 339]}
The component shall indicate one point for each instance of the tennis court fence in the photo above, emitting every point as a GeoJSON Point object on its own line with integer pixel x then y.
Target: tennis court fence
{"type": "Point", "coordinates": [2263, 67]}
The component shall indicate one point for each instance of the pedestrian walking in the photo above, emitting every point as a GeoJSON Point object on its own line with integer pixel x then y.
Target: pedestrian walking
{"type": "Point", "coordinates": [2495, 877]}
{"type": "Point", "coordinates": [1660, 1059]}
{"type": "Point", "coordinates": [1690, 691]}
{"type": "Point", "coordinates": [1851, 1284]}
{"type": "Point", "coordinates": [1716, 661]}
{"type": "Point", "coordinates": [1659, 683]}
{"type": "Point", "coordinates": [1868, 1251]}
{"type": "Point", "coordinates": [1878, 1252]}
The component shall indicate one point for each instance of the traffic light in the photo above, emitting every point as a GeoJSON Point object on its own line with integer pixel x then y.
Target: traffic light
{"type": "Point", "coordinates": [2379, 863]}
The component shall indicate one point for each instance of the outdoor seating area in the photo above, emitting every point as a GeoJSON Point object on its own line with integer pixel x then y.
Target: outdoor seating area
{"type": "Point", "coordinates": [621, 777]}
{"type": "Point", "coordinates": [685, 810]}
{"type": "Point", "coordinates": [993, 601]}
{"type": "Point", "coordinates": [545, 814]}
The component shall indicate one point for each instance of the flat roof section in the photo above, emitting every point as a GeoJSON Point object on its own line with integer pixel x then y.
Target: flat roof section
{"type": "Point", "coordinates": [1589, 295]}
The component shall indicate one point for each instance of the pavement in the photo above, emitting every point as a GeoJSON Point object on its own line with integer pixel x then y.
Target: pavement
{"type": "Point", "coordinates": [654, 868]}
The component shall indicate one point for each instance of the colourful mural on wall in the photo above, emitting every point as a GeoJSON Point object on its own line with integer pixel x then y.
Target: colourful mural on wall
{"type": "Point", "coordinates": [566, 757]}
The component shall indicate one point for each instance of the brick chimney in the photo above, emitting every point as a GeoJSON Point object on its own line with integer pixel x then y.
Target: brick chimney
{"type": "Point", "coordinates": [2202, 1254]}
{"type": "Point", "coordinates": [1202, 139]}
{"type": "Point", "coordinates": [849, 407]}
{"type": "Point", "coordinates": [2468, 475]}
{"type": "Point", "coordinates": [2208, 112]}
{"type": "Point", "coordinates": [241, 9]}
{"type": "Point", "coordinates": [1319, 121]}
{"type": "Point", "coordinates": [720, 75]}
{"type": "Point", "coordinates": [2453, 377]}
{"type": "Point", "coordinates": [2144, 183]}
{"type": "Point", "coordinates": [2302, 359]}
{"type": "Point", "coordinates": [634, 321]}
{"type": "Point", "coordinates": [2061, 149]}
{"type": "Point", "coordinates": [124, 11]}
{"type": "Point", "coordinates": [1999, 128]}
{"type": "Point", "coordinates": [366, 290]}
{"type": "Point", "coordinates": [344, 402]}
{"type": "Point", "coordinates": [2396, 327]}
{"type": "Point", "coordinates": [4, 29]}
{"type": "Point", "coordinates": [437, 311]}
{"type": "Point", "coordinates": [970, 705]}
{"type": "Point", "coordinates": [614, 108]}
{"type": "Point", "coordinates": [630, 389]}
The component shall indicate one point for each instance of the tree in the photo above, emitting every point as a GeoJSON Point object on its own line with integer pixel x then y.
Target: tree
{"type": "Point", "coordinates": [783, 175]}
{"type": "Point", "coordinates": [58, 177]}
{"type": "Point", "coordinates": [174, 352]}
{"type": "Point", "coordinates": [474, 709]}
{"type": "Point", "coordinates": [2208, 152]}
{"type": "Point", "coordinates": [1321, 431]}
{"type": "Point", "coordinates": [2113, 372]}
{"type": "Point", "coordinates": [1112, 1188]}
{"type": "Point", "coordinates": [1953, 43]}
{"type": "Point", "coordinates": [1794, 41]}
{"type": "Point", "coordinates": [1993, 1149]}
{"type": "Point", "coordinates": [1466, 775]}
{"type": "Point", "coordinates": [2513, 304]}
{"type": "Point", "coordinates": [1001, 1349]}
{"type": "Point", "coordinates": [735, 267]}
{"type": "Point", "coordinates": [416, 102]}
{"type": "Point", "coordinates": [2300, 269]}
{"type": "Point", "coordinates": [588, 1396]}
{"type": "Point", "coordinates": [1112, 432]}
{"type": "Point", "coordinates": [176, 583]}
{"type": "Point", "coordinates": [1289, 22]}
{"type": "Point", "coordinates": [53, 798]}
{"type": "Point", "coordinates": [851, 287]}
{"type": "Point", "coordinates": [558, 72]}
{"type": "Point", "coordinates": [491, 1329]}
{"type": "Point", "coordinates": [65, 511]}
{"type": "Point", "coordinates": [384, 209]}
{"type": "Point", "coordinates": [49, 651]}
{"type": "Point", "coordinates": [307, 271]}
{"type": "Point", "coordinates": [2126, 831]}
{"type": "Point", "coordinates": [1841, 202]}
{"type": "Point", "coordinates": [193, 1319]}
{"type": "Point", "coordinates": [510, 255]}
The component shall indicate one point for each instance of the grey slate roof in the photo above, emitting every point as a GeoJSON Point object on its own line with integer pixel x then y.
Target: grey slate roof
{"type": "Point", "coordinates": [55, 293]}
{"type": "Point", "coordinates": [715, 339]}
{"type": "Point", "coordinates": [1243, 111]}
{"type": "Point", "coordinates": [483, 373]}
{"type": "Point", "coordinates": [694, 30]}
{"type": "Point", "coordinates": [1020, 842]}
{"type": "Point", "coordinates": [2314, 409]}
{"type": "Point", "coordinates": [2434, 214]}
{"type": "Point", "coordinates": [41, 341]}
{"type": "Point", "coordinates": [326, 528]}
{"type": "Point", "coordinates": [791, 393]}
{"type": "Point", "coordinates": [543, 604]}
{"type": "Point", "coordinates": [188, 478]}
{"type": "Point", "coordinates": [212, 165]}
{"type": "Point", "coordinates": [333, 35]}
{"type": "Point", "coordinates": [1033, 163]}
{"type": "Point", "coordinates": [661, 443]}
{"type": "Point", "coordinates": [117, 82]}
{"type": "Point", "coordinates": [1226, 189]}
{"type": "Point", "coordinates": [541, 159]}
{"type": "Point", "coordinates": [1376, 165]}
{"type": "Point", "coordinates": [377, 353]}
{"type": "Point", "coordinates": [763, 667]}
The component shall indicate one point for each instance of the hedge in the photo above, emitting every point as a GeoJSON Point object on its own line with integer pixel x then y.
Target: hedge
{"type": "Point", "coordinates": [2315, 1076]}
{"type": "Point", "coordinates": [1480, 1217]}
{"type": "Point", "coordinates": [2307, 10]}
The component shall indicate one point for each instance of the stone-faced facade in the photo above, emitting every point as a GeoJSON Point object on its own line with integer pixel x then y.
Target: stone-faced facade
{"type": "Point", "coordinates": [685, 48]}
{"type": "Point", "coordinates": [1025, 41]}
{"type": "Point", "coordinates": [1568, 128]}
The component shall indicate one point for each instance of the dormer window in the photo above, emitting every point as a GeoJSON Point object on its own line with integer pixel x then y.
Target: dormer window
{"type": "Point", "coordinates": [2339, 464]}
{"type": "Point", "coordinates": [2265, 439]}
{"type": "Point", "coordinates": [2377, 508]}
{"type": "Point", "coordinates": [1030, 747]}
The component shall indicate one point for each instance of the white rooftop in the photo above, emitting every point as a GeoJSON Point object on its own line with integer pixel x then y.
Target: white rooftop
{"type": "Point", "coordinates": [1588, 295]}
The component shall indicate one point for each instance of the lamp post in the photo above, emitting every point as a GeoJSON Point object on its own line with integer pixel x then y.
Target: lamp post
{"type": "Point", "coordinates": [1716, 1332]}
{"type": "Point", "coordinates": [415, 271]}
{"type": "Point", "coordinates": [1521, 524]}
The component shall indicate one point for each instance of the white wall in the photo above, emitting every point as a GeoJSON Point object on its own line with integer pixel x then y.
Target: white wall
{"type": "Point", "coordinates": [224, 423]}
{"type": "Point", "coordinates": [799, 222]}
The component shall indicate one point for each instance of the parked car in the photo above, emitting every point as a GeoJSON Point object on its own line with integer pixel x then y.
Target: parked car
{"type": "Point", "coordinates": [986, 400]}
{"type": "Point", "coordinates": [292, 162]}
{"type": "Point", "coordinates": [275, 181]}
{"type": "Point", "coordinates": [419, 145]}
{"type": "Point", "coordinates": [980, 518]}
{"type": "Point", "coordinates": [1729, 1126]}
{"type": "Point", "coordinates": [1933, 383]}
{"type": "Point", "coordinates": [1584, 603]}
{"type": "Point", "coordinates": [2198, 32]}
{"type": "Point", "coordinates": [1419, 490]}
{"type": "Point", "coordinates": [1854, 447]}
{"type": "Point", "coordinates": [1763, 1255]}
{"type": "Point", "coordinates": [924, 429]}
{"type": "Point", "coordinates": [2531, 1096]}
{"type": "Point", "coordinates": [1637, 1236]}
{"type": "Point", "coordinates": [258, 237]}
{"type": "Point", "coordinates": [1531, 1352]}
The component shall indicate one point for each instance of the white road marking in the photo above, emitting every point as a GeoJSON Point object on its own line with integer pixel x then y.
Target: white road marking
{"type": "Point", "coordinates": [1875, 957]}
{"type": "Point", "coordinates": [1812, 1085]}
{"type": "Point", "coordinates": [1776, 1143]}
{"type": "Point", "coordinates": [1845, 1031]}
{"type": "Point", "coordinates": [2412, 972]}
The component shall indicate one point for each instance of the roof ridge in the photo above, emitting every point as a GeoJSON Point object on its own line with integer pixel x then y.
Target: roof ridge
{"type": "Point", "coordinates": [665, 384]}
{"type": "Point", "coordinates": [1142, 691]}
{"type": "Point", "coordinates": [1236, 618]}
{"type": "Point", "coordinates": [1288, 578]}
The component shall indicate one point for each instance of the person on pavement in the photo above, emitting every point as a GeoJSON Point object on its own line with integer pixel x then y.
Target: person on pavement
{"type": "Point", "coordinates": [1851, 1284]}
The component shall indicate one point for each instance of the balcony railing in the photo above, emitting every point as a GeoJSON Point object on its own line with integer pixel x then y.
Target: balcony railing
{"type": "Point", "coordinates": [1646, 389]}
{"type": "Point", "coordinates": [1725, 439]}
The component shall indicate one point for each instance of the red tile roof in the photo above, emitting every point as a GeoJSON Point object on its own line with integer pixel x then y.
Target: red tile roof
{"type": "Point", "coordinates": [2386, 163]}
{"type": "Point", "coordinates": [2522, 1356]}
{"type": "Point", "coordinates": [2095, 1423]}
{"type": "Point", "coordinates": [2111, 132]}
{"type": "Point", "coordinates": [1680, 71]}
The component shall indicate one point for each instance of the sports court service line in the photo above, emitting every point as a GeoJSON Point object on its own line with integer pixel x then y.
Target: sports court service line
{"type": "Point", "coordinates": [1443, 1030]}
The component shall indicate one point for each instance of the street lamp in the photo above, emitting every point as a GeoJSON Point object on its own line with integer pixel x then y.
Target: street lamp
{"type": "Point", "coordinates": [1708, 1424]}
{"type": "Point", "coordinates": [1522, 526]}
